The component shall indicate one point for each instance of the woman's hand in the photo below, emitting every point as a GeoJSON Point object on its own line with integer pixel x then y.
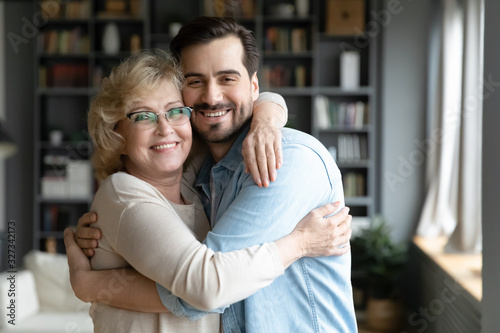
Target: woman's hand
{"type": "Point", "coordinates": [262, 147]}
{"type": "Point", "coordinates": [78, 264]}
{"type": "Point", "coordinates": [324, 236]}
{"type": "Point", "coordinates": [262, 152]}
{"type": "Point", "coordinates": [317, 235]}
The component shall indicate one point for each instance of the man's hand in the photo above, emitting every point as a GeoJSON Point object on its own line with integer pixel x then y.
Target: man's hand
{"type": "Point", "coordinates": [325, 236]}
{"type": "Point", "coordinates": [86, 236]}
{"type": "Point", "coordinates": [261, 149]}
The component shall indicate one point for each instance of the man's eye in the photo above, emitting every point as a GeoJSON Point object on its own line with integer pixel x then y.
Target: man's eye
{"type": "Point", "coordinates": [194, 82]}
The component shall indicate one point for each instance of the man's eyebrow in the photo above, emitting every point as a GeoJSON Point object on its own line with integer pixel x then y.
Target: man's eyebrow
{"type": "Point", "coordinates": [219, 73]}
{"type": "Point", "coordinates": [228, 71]}
{"type": "Point", "coordinates": [192, 74]}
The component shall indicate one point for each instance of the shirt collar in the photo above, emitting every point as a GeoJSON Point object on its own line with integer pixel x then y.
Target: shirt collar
{"type": "Point", "coordinates": [230, 161]}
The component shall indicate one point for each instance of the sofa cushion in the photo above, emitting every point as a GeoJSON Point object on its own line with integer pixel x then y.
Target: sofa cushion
{"type": "Point", "coordinates": [54, 322]}
{"type": "Point", "coordinates": [51, 274]}
{"type": "Point", "coordinates": [19, 301]}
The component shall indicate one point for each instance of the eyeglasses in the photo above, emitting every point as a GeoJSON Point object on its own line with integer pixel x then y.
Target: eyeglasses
{"type": "Point", "coordinates": [149, 119]}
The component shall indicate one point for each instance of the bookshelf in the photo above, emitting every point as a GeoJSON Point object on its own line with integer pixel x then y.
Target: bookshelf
{"type": "Point", "coordinates": [309, 59]}
{"type": "Point", "coordinates": [71, 58]}
{"type": "Point", "coordinates": [303, 58]}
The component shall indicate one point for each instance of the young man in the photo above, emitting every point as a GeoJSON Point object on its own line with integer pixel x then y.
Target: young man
{"type": "Point", "coordinates": [220, 62]}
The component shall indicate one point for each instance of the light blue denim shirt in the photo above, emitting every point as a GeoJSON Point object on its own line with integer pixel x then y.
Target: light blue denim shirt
{"type": "Point", "coordinates": [314, 294]}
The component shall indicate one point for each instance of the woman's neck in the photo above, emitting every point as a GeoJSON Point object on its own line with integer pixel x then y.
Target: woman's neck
{"type": "Point", "coordinates": [168, 185]}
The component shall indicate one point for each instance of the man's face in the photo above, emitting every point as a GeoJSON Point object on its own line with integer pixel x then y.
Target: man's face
{"type": "Point", "coordinates": [218, 88]}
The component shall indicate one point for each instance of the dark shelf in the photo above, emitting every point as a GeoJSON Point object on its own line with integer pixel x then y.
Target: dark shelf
{"type": "Point", "coordinates": [66, 91]}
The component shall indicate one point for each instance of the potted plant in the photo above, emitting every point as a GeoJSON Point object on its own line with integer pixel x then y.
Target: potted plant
{"type": "Point", "coordinates": [380, 262]}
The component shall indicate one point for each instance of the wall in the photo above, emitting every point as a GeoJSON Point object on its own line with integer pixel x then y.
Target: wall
{"type": "Point", "coordinates": [2, 118]}
{"type": "Point", "coordinates": [19, 113]}
{"type": "Point", "coordinates": [491, 162]}
{"type": "Point", "coordinates": [403, 113]}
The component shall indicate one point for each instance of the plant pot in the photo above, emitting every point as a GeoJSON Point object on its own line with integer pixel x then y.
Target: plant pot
{"type": "Point", "coordinates": [384, 314]}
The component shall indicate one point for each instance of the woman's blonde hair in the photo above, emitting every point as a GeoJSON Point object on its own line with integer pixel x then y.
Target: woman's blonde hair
{"type": "Point", "coordinates": [140, 73]}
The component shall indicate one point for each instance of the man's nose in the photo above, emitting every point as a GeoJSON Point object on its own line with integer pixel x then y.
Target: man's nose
{"type": "Point", "coordinates": [212, 94]}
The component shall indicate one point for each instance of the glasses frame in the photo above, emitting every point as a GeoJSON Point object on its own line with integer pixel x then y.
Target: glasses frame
{"type": "Point", "coordinates": [158, 114]}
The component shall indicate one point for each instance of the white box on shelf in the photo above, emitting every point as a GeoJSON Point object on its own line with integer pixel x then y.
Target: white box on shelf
{"type": "Point", "coordinates": [54, 187]}
{"type": "Point", "coordinates": [349, 70]}
{"type": "Point", "coordinates": [79, 174]}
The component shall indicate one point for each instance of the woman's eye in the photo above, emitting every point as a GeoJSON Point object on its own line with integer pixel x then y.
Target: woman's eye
{"type": "Point", "coordinates": [143, 117]}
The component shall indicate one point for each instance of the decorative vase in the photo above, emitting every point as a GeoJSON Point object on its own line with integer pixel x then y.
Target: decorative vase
{"type": "Point", "coordinates": [111, 39]}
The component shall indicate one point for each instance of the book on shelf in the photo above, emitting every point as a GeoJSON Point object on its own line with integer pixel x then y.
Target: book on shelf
{"type": "Point", "coordinates": [64, 41]}
{"type": "Point", "coordinates": [283, 76]}
{"type": "Point", "coordinates": [354, 184]}
{"type": "Point", "coordinates": [331, 113]}
{"type": "Point", "coordinates": [73, 9]}
{"type": "Point", "coordinates": [352, 148]}
{"type": "Point", "coordinates": [50, 218]}
{"type": "Point", "coordinates": [285, 39]}
{"type": "Point", "coordinates": [63, 75]}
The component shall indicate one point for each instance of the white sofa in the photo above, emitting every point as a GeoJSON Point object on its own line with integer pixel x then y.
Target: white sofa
{"type": "Point", "coordinates": [39, 298]}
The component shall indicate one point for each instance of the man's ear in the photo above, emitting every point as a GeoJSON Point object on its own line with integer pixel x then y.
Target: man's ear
{"type": "Point", "coordinates": [255, 86]}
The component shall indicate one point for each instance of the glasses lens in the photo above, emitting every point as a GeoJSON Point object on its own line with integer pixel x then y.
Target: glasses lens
{"type": "Point", "coordinates": [178, 116]}
{"type": "Point", "coordinates": [144, 118]}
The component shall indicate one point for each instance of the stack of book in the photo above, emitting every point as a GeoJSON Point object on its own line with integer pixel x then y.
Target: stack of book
{"type": "Point", "coordinates": [67, 75]}
{"type": "Point", "coordinates": [64, 41]}
{"type": "Point", "coordinates": [285, 39]}
{"type": "Point", "coordinates": [354, 184]}
{"type": "Point", "coordinates": [352, 148]}
{"type": "Point", "coordinates": [330, 113]}
{"type": "Point", "coordinates": [284, 76]}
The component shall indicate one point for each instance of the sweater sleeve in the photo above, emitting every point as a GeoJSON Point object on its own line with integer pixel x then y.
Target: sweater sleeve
{"type": "Point", "coordinates": [156, 242]}
{"type": "Point", "coordinates": [271, 97]}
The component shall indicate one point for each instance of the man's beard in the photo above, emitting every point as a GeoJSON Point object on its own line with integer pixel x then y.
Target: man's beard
{"type": "Point", "coordinates": [215, 134]}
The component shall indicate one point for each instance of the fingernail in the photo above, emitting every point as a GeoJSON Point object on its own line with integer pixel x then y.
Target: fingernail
{"type": "Point", "coordinates": [336, 203]}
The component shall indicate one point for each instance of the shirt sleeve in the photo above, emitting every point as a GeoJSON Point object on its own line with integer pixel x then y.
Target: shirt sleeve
{"type": "Point", "coordinates": [156, 242]}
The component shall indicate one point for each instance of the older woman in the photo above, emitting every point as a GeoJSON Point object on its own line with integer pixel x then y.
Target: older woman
{"type": "Point", "coordinates": [152, 220]}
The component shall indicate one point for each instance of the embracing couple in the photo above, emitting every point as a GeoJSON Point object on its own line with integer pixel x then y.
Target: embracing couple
{"type": "Point", "coordinates": [224, 222]}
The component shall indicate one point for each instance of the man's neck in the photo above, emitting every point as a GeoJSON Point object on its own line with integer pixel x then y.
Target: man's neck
{"type": "Point", "coordinates": [219, 150]}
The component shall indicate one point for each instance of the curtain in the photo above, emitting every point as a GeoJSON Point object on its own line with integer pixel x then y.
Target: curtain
{"type": "Point", "coordinates": [453, 202]}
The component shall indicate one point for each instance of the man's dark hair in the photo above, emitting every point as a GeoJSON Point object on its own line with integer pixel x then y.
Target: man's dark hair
{"type": "Point", "coordinates": [204, 30]}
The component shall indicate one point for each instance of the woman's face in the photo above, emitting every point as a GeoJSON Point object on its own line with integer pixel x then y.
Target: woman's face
{"type": "Point", "coordinates": [156, 150]}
